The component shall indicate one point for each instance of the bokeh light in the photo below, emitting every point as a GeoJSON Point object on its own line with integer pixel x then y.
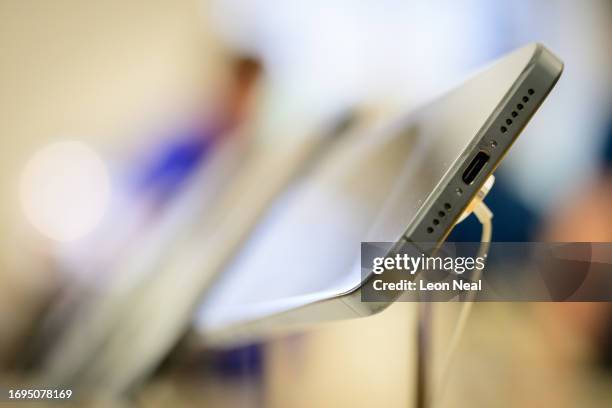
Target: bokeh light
{"type": "Point", "coordinates": [65, 190]}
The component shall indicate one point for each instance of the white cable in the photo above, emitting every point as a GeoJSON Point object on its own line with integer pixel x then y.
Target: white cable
{"type": "Point", "coordinates": [485, 216]}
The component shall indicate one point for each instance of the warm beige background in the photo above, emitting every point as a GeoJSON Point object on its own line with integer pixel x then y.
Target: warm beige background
{"type": "Point", "coordinates": [100, 72]}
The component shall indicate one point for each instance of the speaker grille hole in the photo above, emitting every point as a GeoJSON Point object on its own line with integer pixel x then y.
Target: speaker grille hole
{"type": "Point", "coordinates": [519, 106]}
{"type": "Point", "coordinates": [435, 221]}
{"type": "Point", "coordinates": [530, 91]}
{"type": "Point", "coordinates": [429, 230]}
{"type": "Point", "coordinates": [447, 206]}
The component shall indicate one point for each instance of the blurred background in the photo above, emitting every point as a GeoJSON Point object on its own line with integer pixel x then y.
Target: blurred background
{"type": "Point", "coordinates": [135, 132]}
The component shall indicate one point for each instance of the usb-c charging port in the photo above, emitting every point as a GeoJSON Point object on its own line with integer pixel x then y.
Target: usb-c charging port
{"type": "Point", "coordinates": [470, 173]}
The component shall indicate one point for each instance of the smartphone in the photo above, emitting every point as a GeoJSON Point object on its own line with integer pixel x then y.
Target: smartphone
{"type": "Point", "coordinates": [408, 181]}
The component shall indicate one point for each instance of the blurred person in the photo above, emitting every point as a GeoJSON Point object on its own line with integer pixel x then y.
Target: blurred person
{"type": "Point", "coordinates": [182, 152]}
